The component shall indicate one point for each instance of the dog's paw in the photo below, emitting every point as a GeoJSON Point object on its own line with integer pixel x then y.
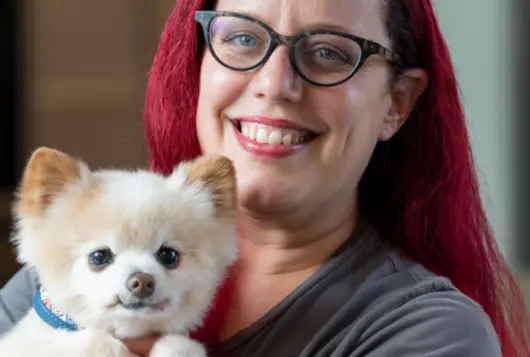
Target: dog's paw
{"type": "Point", "coordinates": [91, 343]}
{"type": "Point", "coordinates": [177, 346]}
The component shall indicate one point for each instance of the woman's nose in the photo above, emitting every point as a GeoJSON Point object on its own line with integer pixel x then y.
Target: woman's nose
{"type": "Point", "coordinates": [276, 80]}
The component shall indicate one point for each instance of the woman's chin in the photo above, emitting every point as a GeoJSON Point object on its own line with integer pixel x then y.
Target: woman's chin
{"type": "Point", "coordinates": [262, 199]}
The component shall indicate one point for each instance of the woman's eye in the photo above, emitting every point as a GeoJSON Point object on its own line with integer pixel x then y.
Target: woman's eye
{"type": "Point", "coordinates": [100, 258]}
{"type": "Point", "coordinates": [168, 257]}
{"type": "Point", "coordinates": [243, 40]}
{"type": "Point", "coordinates": [329, 55]}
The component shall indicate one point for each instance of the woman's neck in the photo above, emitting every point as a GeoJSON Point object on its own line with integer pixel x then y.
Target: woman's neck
{"type": "Point", "coordinates": [267, 249]}
{"type": "Point", "coordinates": [273, 262]}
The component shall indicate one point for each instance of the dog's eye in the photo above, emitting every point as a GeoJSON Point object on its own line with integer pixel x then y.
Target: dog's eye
{"type": "Point", "coordinates": [168, 257]}
{"type": "Point", "coordinates": [101, 258]}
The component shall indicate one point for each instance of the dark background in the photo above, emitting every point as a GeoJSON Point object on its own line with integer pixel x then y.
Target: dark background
{"type": "Point", "coordinates": [10, 94]}
{"type": "Point", "coordinates": [10, 120]}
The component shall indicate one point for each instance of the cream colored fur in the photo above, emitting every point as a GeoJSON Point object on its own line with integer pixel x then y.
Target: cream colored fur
{"type": "Point", "coordinates": [65, 211]}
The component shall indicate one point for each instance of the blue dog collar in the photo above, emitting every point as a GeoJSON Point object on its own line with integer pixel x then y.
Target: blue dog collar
{"type": "Point", "coordinates": [50, 313]}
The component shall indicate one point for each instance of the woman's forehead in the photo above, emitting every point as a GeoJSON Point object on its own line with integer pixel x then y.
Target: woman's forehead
{"type": "Point", "coordinates": [360, 17]}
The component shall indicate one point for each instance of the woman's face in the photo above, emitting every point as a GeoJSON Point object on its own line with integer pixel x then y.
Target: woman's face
{"type": "Point", "coordinates": [336, 128]}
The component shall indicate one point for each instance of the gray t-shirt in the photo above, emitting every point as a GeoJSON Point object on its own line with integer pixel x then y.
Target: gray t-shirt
{"type": "Point", "coordinates": [367, 300]}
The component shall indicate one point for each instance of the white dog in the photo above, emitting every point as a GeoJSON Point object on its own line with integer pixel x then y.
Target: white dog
{"type": "Point", "coordinates": [120, 254]}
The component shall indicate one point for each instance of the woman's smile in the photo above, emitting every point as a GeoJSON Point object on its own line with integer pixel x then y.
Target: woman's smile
{"type": "Point", "coordinates": [271, 137]}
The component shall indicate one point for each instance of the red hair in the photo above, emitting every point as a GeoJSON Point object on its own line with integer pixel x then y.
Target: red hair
{"type": "Point", "coordinates": [420, 188]}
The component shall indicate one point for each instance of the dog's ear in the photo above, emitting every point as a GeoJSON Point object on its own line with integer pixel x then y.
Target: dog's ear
{"type": "Point", "coordinates": [47, 173]}
{"type": "Point", "coordinates": [217, 173]}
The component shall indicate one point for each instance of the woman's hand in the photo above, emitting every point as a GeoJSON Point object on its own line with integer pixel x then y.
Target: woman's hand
{"type": "Point", "coordinates": [141, 347]}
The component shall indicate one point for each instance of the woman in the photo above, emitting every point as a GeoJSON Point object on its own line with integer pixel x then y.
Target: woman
{"type": "Point", "coordinates": [361, 228]}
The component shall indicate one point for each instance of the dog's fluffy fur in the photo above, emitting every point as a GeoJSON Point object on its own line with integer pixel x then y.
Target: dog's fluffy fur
{"type": "Point", "coordinates": [65, 212]}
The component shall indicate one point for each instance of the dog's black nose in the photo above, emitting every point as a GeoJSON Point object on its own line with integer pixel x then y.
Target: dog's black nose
{"type": "Point", "coordinates": [141, 285]}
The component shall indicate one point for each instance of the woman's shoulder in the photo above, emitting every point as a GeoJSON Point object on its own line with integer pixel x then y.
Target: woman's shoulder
{"type": "Point", "coordinates": [412, 310]}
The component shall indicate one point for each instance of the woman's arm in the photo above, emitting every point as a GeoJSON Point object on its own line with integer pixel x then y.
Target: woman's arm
{"type": "Point", "coordinates": [16, 297]}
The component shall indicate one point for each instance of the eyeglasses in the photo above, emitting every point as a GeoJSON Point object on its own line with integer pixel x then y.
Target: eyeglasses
{"type": "Point", "coordinates": [321, 57]}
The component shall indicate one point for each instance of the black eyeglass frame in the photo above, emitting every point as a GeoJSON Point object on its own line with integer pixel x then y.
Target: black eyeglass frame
{"type": "Point", "coordinates": [368, 48]}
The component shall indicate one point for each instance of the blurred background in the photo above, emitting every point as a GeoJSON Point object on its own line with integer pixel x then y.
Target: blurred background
{"type": "Point", "coordinates": [73, 76]}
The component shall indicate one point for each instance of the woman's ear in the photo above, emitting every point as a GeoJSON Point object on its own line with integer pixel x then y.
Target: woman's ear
{"type": "Point", "coordinates": [406, 90]}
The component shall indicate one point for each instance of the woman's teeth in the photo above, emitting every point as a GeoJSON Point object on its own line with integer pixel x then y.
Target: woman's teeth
{"type": "Point", "coordinates": [265, 134]}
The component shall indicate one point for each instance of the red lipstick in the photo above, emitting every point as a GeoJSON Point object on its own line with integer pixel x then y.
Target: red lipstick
{"type": "Point", "coordinates": [267, 150]}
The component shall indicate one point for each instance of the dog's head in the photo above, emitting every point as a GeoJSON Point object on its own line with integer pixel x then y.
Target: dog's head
{"type": "Point", "coordinates": [131, 252]}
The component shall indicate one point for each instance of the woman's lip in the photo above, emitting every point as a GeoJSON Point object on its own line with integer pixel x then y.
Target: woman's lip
{"type": "Point", "coordinates": [265, 150]}
{"type": "Point", "coordinates": [274, 122]}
